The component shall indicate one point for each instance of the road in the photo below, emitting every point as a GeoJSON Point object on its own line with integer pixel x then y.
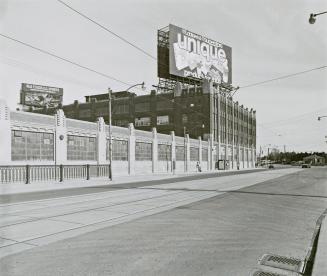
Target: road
{"type": "Point", "coordinates": [37, 195]}
{"type": "Point", "coordinates": [216, 226]}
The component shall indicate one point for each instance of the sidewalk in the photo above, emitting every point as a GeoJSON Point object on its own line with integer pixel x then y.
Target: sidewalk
{"type": "Point", "coordinates": [18, 188]}
{"type": "Point", "coordinates": [320, 261]}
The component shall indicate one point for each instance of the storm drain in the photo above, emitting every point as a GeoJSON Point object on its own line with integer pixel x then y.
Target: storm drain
{"type": "Point", "coordinates": [266, 273]}
{"type": "Point", "coordinates": [281, 262]}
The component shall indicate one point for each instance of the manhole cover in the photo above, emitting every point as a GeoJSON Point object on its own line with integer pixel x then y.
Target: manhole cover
{"type": "Point", "coordinates": [266, 273]}
{"type": "Point", "coordinates": [281, 262]}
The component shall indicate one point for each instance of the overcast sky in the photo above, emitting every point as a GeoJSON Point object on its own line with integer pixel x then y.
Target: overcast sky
{"type": "Point", "coordinates": [269, 38]}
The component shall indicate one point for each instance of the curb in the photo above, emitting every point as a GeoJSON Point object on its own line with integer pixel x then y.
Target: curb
{"type": "Point", "coordinates": [319, 252]}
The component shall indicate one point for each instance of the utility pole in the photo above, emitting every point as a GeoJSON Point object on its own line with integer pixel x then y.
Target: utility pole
{"type": "Point", "coordinates": [110, 134]}
{"type": "Point", "coordinates": [185, 161]}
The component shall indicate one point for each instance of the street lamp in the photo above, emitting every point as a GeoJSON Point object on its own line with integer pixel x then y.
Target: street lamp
{"type": "Point", "coordinates": [312, 18]}
{"type": "Point", "coordinates": [138, 84]}
{"type": "Point", "coordinates": [319, 117]}
{"type": "Point", "coordinates": [110, 134]}
{"type": "Point", "coordinates": [110, 124]}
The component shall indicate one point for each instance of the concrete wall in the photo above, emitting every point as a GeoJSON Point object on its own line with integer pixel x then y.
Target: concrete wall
{"type": "Point", "coordinates": [164, 166]}
{"type": "Point", "coordinates": [143, 167]}
{"type": "Point", "coordinates": [61, 127]}
{"type": "Point", "coordinates": [120, 167]}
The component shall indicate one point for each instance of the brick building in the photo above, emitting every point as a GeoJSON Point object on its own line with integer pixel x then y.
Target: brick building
{"type": "Point", "coordinates": [198, 111]}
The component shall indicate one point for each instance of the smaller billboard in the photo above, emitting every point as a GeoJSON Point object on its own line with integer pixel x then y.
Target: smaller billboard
{"type": "Point", "coordinates": [40, 96]}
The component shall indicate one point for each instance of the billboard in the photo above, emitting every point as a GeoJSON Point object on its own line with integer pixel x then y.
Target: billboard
{"type": "Point", "coordinates": [40, 96]}
{"type": "Point", "coordinates": [196, 56]}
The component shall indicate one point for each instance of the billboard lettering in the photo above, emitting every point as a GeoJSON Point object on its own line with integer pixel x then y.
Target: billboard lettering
{"type": "Point", "coordinates": [193, 55]}
{"type": "Point", "coordinates": [40, 96]}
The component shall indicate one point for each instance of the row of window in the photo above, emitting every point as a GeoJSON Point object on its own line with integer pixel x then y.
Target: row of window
{"type": "Point", "coordinates": [119, 150]}
{"type": "Point", "coordinates": [40, 146]}
{"type": "Point", "coordinates": [81, 148]}
{"type": "Point", "coordinates": [164, 152]}
{"type": "Point", "coordinates": [31, 146]}
{"type": "Point", "coordinates": [143, 151]}
{"type": "Point", "coordinates": [146, 121]}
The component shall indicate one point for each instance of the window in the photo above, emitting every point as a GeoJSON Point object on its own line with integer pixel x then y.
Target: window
{"type": "Point", "coordinates": [85, 113]}
{"type": "Point", "coordinates": [180, 153]}
{"type": "Point", "coordinates": [141, 107]}
{"type": "Point", "coordinates": [184, 118]}
{"type": "Point", "coordinates": [163, 120]}
{"type": "Point", "coordinates": [194, 154]}
{"type": "Point", "coordinates": [143, 121]}
{"type": "Point", "coordinates": [143, 151]}
{"type": "Point", "coordinates": [102, 111]}
{"type": "Point", "coordinates": [122, 123]}
{"type": "Point", "coordinates": [27, 145]}
{"type": "Point", "coordinates": [204, 154]}
{"type": "Point", "coordinates": [81, 148]}
{"type": "Point", "coordinates": [119, 150]}
{"type": "Point", "coordinates": [164, 152]}
{"type": "Point", "coordinates": [121, 109]}
{"type": "Point", "coordinates": [164, 105]}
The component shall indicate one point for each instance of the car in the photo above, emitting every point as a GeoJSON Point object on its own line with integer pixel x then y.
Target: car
{"type": "Point", "coordinates": [306, 166]}
{"type": "Point", "coordinates": [271, 166]}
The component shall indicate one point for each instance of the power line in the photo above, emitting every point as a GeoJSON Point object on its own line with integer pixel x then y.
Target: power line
{"type": "Point", "coordinates": [154, 58]}
{"type": "Point", "coordinates": [294, 118]}
{"type": "Point", "coordinates": [64, 59]}
{"type": "Point", "coordinates": [78, 65]}
{"type": "Point", "coordinates": [284, 77]}
{"type": "Point", "coordinates": [30, 68]}
{"type": "Point", "coordinates": [107, 29]}
{"type": "Point", "coordinates": [115, 79]}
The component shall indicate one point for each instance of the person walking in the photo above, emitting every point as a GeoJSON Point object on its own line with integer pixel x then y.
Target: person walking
{"type": "Point", "coordinates": [198, 167]}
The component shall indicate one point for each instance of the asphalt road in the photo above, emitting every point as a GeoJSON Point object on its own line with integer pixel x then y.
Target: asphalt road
{"type": "Point", "coordinates": [224, 235]}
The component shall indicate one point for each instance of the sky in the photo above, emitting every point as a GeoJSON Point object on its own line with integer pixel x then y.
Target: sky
{"type": "Point", "coordinates": [269, 39]}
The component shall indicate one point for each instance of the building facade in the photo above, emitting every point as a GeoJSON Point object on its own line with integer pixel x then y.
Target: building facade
{"type": "Point", "coordinates": [42, 140]}
{"type": "Point", "coordinates": [200, 111]}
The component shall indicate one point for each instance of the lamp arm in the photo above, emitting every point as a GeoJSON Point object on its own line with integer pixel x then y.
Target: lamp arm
{"type": "Point", "coordinates": [134, 86]}
{"type": "Point", "coordinates": [315, 14]}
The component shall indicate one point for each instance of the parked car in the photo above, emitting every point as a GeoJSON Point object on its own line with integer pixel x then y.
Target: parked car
{"type": "Point", "coordinates": [306, 166]}
{"type": "Point", "coordinates": [271, 166]}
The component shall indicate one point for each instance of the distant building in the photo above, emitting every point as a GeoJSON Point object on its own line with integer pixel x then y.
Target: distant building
{"type": "Point", "coordinates": [198, 111]}
{"type": "Point", "coordinates": [314, 160]}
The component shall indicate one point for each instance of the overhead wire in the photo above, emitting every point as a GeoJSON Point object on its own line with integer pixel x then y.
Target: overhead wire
{"type": "Point", "coordinates": [89, 69]}
{"type": "Point", "coordinates": [295, 118]}
{"type": "Point", "coordinates": [138, 48]}
{"type": "Point", "coordinates": [154, 58]}
{"type": "Point", "coordinates": [64, 59]}
{"type": "Point", "coordinates": [107, 29]}
{"type": "Point", "coordinates": [79, 65]}
{"type": "Point", "coordinates": [283, 77]}
{"type": "Point", "coordinates": [30, 68]}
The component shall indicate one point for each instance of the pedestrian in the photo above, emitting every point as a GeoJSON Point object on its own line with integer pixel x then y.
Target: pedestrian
{"type": "Point", "coordinates": [198, 167]}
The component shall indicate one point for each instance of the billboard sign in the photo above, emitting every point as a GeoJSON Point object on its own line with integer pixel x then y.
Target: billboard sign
{"type": "Point", "coordinates": [196, 56]}
{"type": "Point", "coordinates": [40, 96]}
